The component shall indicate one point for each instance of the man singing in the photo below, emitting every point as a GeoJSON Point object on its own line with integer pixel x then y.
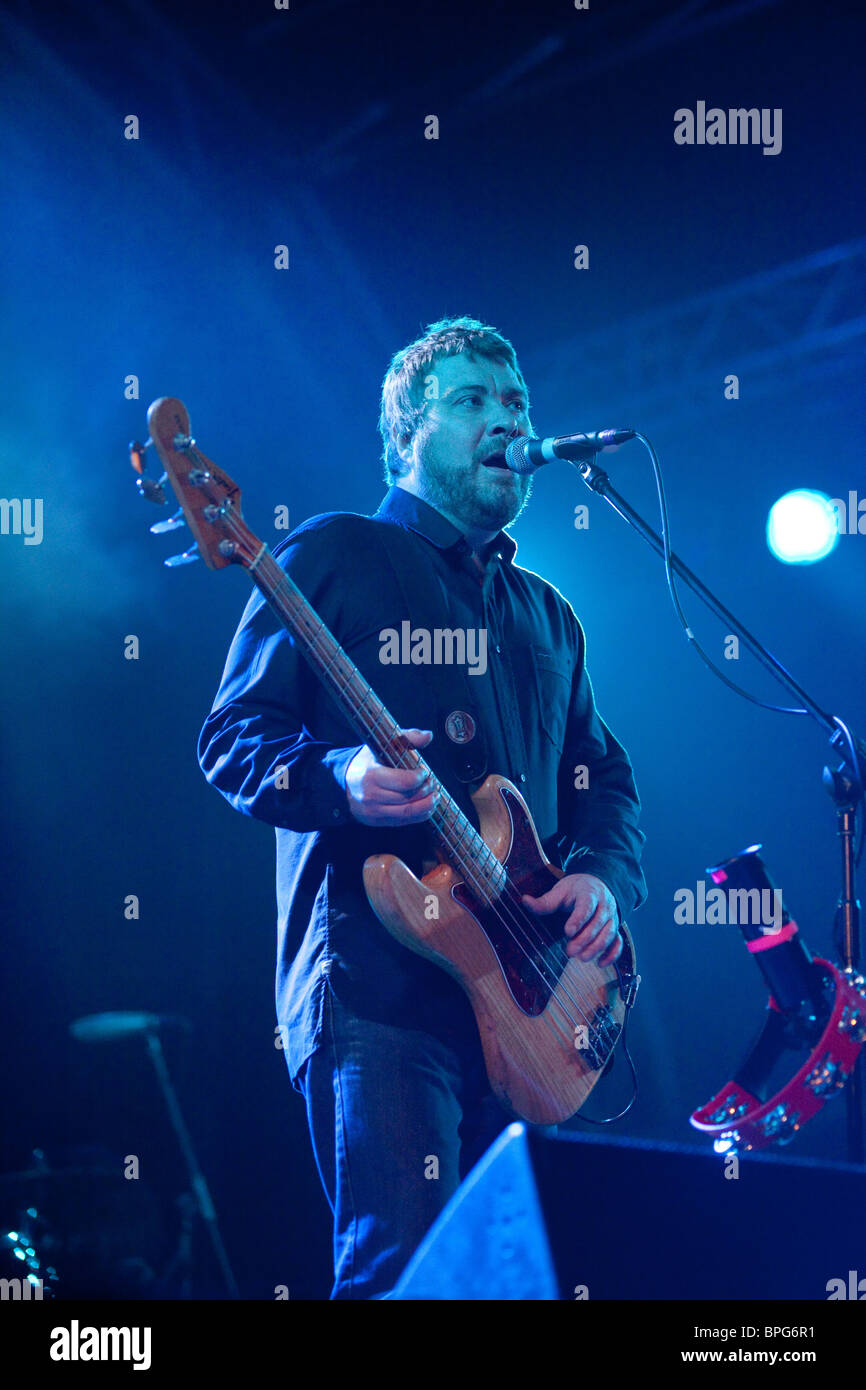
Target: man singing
{"type": "Point", "coordinates": [381, 1043]}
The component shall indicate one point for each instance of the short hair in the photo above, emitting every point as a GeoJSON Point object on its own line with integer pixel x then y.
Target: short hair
{"type": "Point", "coordinates": [402, 406]}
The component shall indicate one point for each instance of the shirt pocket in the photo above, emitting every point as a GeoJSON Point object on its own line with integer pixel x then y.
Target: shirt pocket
{"type": "Point", "coordinates": [552, 674]}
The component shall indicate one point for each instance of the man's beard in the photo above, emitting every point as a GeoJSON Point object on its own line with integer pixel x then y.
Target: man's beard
{"type": "Point", "coordinates": [477, 501]}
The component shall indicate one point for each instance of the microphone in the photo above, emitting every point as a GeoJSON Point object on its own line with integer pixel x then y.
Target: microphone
{"type": "Point", "coordinates": [97, 1028]}
{"type": "Point", "coordinates": [524, 455]}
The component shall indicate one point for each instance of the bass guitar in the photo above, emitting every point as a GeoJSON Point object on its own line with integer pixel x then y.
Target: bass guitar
{"type": "Point", "coordinates": [548, 1023]}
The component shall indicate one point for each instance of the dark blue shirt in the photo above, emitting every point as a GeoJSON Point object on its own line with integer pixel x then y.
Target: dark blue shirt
{"type": "Point", "coordinates": [278, 748]}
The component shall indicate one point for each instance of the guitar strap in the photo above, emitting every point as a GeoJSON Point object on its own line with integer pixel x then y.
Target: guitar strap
{"type": "Point", "coordinates": [459, 731]}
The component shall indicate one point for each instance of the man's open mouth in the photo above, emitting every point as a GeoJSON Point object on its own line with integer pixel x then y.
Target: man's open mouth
{"type": "Point", "coordinates": [495, 461]}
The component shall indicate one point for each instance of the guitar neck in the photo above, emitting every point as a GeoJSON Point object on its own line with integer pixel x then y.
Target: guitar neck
{"type": "Point", "coordinates": [362, 708]}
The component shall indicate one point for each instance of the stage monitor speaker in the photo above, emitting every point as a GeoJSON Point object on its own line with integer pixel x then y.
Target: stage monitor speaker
{"type": "Point", "coordinates": [579, 1216]}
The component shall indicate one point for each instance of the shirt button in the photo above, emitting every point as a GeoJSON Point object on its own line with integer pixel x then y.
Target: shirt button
{"type": "Point", "coordinates": [523, 776]}
{"type": "Point", "coordinates": [498, 650]}
{"type": "Point", "coordinates": [336, 813]}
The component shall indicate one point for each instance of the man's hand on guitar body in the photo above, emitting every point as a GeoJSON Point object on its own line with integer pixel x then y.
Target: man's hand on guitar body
{"type": "Point", "coordinates": [381, 795]}
{"type": "Point", "coordinates": [593, 922]}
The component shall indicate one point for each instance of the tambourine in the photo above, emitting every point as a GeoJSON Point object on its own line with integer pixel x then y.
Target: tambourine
{"type": "Point", "coordinates": [739, 1120]}
{"type": "Point", "coordinates": [810, 1040]}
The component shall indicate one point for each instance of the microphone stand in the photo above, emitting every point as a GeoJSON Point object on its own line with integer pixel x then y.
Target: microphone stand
{"type": "Point", "coordinates": [843, 782]}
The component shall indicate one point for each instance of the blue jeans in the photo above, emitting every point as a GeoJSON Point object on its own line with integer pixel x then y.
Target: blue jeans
{"type": "Point", "coordinates": [397, 1118]}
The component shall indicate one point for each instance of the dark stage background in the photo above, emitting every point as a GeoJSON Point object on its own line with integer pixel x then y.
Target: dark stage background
{"type": "Point", "coordinates": [154, 258]}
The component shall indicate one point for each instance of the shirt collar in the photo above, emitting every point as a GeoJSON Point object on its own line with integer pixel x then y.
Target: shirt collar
{"type": "Point", "coordinates": [408, 510]}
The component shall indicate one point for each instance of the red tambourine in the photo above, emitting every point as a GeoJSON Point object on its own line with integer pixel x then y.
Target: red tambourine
{"type": "Point", "coordinates": [740, 1121]}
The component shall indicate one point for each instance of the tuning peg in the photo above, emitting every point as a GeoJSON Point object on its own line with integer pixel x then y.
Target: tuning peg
{"type": "Point", "coordinates": [185, 559]}
{"type": "Point", "coordinates": [136, 454]}
{"type": "Point", "coordinates": [151, 491]}
{"type": "Point", "coordinates": [172, 524]}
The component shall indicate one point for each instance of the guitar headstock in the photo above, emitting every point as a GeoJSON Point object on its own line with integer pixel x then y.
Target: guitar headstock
{"type": "Point", "coordinates": [209, 498]}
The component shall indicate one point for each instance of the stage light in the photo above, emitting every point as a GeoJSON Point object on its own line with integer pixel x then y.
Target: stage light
{"type": "Point", "coordinates": [801, 527]}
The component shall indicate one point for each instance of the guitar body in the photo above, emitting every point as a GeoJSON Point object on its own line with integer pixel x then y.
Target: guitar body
{"type": "Point", "coordinates": [548, 1022]}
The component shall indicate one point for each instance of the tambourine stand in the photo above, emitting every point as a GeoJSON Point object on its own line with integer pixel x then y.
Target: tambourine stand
{"type": "Point", "coordinates": [845, 783]}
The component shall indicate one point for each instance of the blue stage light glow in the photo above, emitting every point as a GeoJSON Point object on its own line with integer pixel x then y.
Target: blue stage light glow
{"type": "Point", "coordinates": [801, 527]}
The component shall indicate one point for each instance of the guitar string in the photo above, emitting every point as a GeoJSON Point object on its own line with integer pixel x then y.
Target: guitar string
{"type": "Point", "coordinates": [556, 985]}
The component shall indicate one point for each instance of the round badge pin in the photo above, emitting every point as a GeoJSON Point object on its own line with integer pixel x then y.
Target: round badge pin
{"type": "Point", "coordinates": [460, 726]}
